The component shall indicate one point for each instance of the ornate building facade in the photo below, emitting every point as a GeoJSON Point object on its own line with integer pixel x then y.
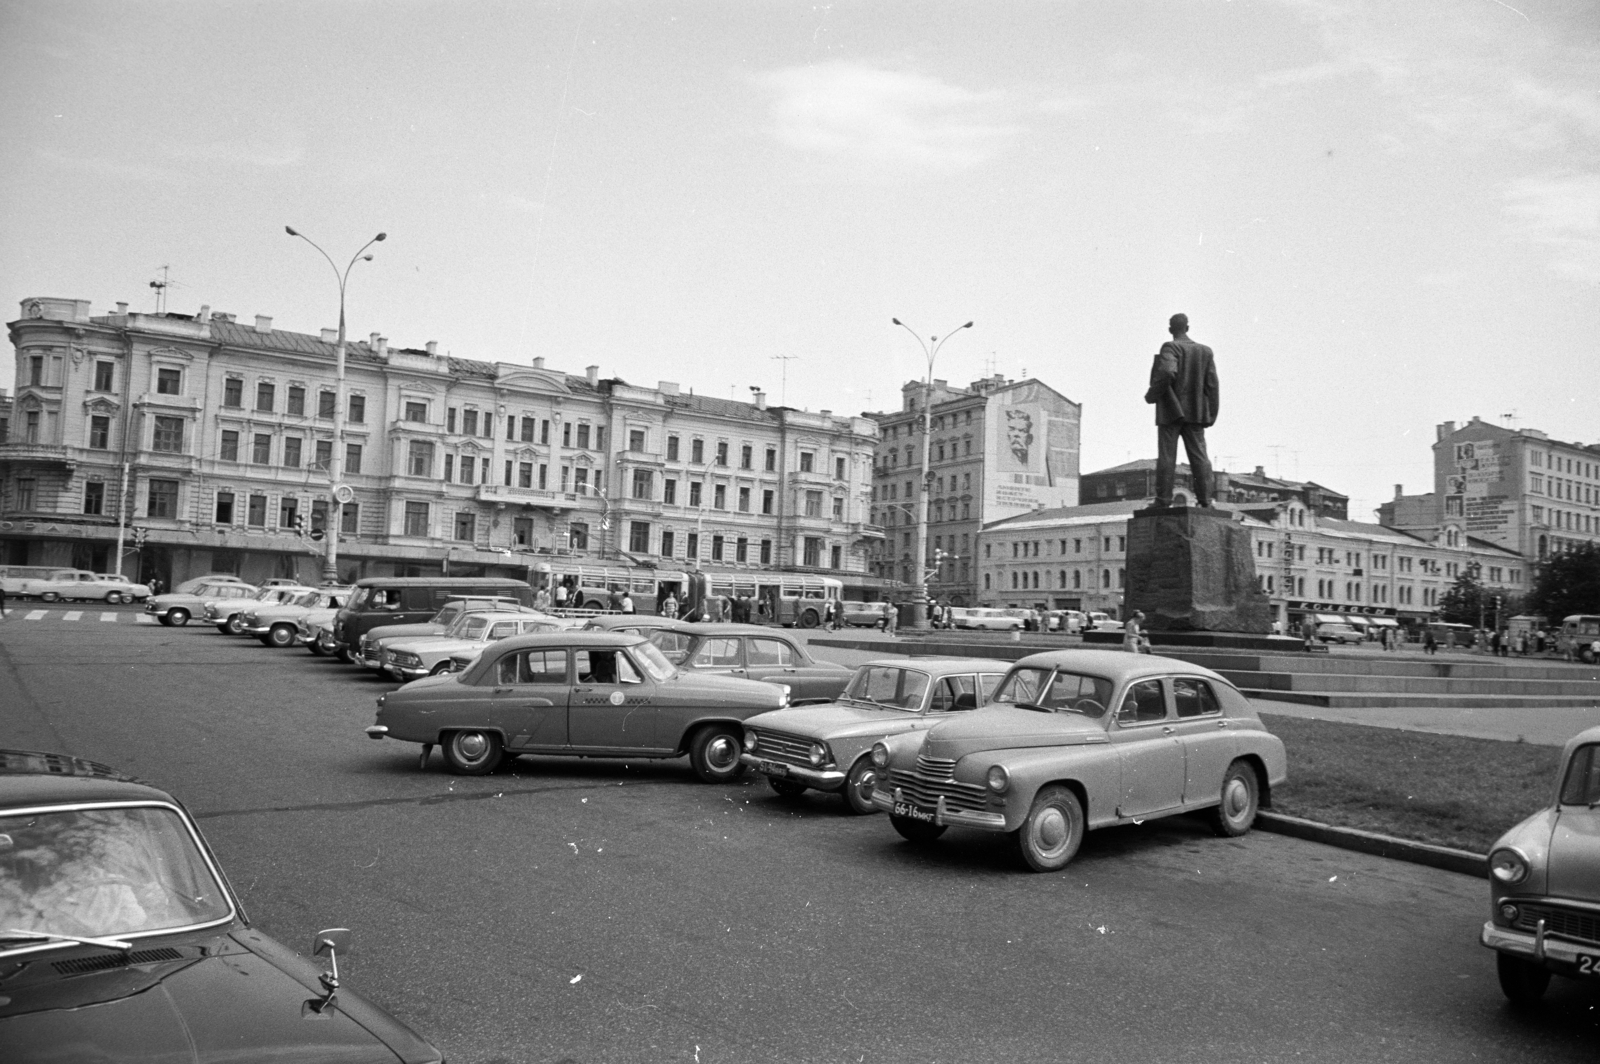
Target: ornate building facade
{"type": "Point", "coordinates": [210, 440]}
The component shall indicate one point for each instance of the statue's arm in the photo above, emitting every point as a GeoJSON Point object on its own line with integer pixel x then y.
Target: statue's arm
{"type": "Point", "coordinates": [1213, 389]}
{"type": "Point", "coordinates": [1162, 372]}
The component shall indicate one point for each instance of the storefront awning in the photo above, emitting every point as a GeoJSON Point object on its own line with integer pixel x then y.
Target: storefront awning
{"type": "Point", "coordinates": [1332, 618]}
{"type": "Point", "coordinates": [1384, 622]}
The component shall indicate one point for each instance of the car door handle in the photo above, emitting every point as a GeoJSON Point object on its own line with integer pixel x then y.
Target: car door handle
{"type": "Point", "coordinates": [1222, 724]}
{"type": "Point", "coordinates": [1166, 729]}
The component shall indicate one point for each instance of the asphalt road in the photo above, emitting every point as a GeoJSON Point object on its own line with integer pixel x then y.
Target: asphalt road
{"type": "Point", "coordinates": [572, 910]}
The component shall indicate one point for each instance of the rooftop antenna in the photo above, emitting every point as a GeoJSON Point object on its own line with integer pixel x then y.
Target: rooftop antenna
{"type": "Point", "coordinates": [1511, 420]}
{"type": "Point", "coordinates": [988, 364]}
{"type": "Point", "coordinates": [1277, 450]}
{"type": "Point", "coordinates": [783, 383]}
{"type": "Point", "coordinates": [161, 290]}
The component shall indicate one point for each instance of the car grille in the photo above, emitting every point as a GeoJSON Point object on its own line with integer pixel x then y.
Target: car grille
{"type": "Point", "coordinates": [785, 748]}
{"type": "Point", "coordinates": [933, 780]}
{"type": "Point", "coordinates": [1575, 924]}
{"type": "Point", "coordinates": [303, 628]}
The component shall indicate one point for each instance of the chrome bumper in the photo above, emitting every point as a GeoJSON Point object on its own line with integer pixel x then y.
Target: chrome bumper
{"type": "Point", "coordinates": [405, 672]}
{"type": "Point", "coordinates": [942, 815]}
{"type": "Point", "coordinates": [822, 779]}
{"type": "Point", "coordinates": [377, 731]}
{"type": "Point", "coordinates": [1537, 947]}
{"type": "Point", "coordinates": [255, 629]}
{"type": "Point", "coordinates": [366, 662]}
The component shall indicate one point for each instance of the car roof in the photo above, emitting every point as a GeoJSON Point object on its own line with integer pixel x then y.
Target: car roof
{"type": "Point", "coordinates": [941, 666]}
{"type": "Point", "coordinates": [1117, 664]}
{"type": "Point", "coordinates": [572, 637]}
{"type": "Point", "coordinates": [33, 777]}
{"type": "Point", "coordinates": [633, 620]}
{"type": "Point", "coordinates": [733, 628]}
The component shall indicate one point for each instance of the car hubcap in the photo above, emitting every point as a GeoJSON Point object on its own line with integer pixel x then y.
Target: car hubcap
{"type": "Point", "coordinates": [865, 784]}
{"type": "Point", "coordinates": [472, 745]}
{"type": "Point", "coordinates": [722, 752]}
{"type": "Point", "coordinates": [1236, 799]}
{"type": "Point", "coordinates": [1050, 832]}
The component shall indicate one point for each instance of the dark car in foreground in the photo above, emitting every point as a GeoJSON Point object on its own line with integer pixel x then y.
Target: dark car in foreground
{"type": "Point", "coordinates": [120, 939]}
{"type": "Point", "coordinates": [1544, 883]}
{"type": "Point", "coordinates": [1082, 739]}
{"type": "Point", "coordinates": [579, 694]}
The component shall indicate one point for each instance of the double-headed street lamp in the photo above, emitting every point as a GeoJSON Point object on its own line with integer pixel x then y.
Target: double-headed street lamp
{"type": "Point", "coordinates": [930, 349]}
{"type": "Point", "coordinates": [339, 492]}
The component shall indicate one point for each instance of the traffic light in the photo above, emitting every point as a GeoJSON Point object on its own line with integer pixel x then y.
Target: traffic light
{"type": "Point", "coordinates": [299, 523]}
{"type": "Point", "coordinates": [139, 534]}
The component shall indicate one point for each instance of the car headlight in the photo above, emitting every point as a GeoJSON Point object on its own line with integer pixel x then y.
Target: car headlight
{"type": "Point", "coordinates": [786, 693]}
{"type": "Point", "coordinates": [818, 754]}
{"type": "Point", "coordinates": [998, 779]}
{"type": "Point", "coordinates": [407, 659]}
{"type": "Point", "coordinates": [750, 740]}
{"type": "Point", "coordinates": [880, 755]}
{"type": "Point", "coordinates": [1508, 867]}
{"type": "Point", "coordinates": [1509, 912]}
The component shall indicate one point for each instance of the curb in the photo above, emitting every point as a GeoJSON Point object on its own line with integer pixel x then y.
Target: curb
{"type": "Point", "coordinates": [1370, 842]}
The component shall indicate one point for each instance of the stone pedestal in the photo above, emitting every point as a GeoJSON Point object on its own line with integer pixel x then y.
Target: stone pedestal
{"type": "Point", "coordinates": [1193, 570]}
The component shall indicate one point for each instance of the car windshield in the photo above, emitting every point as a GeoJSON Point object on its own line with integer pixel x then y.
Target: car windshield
{"type": "Point", "coordinates": [888, 686]}
{"type": "Point", "coordinates": [1582, 785]}
{"type": "Point", "coordinates": [305, 598]}
{"type": "Point", "coordinates": [472, 625]}
{"type": "Point", "coordinates": [102, 872]}
{"type": "Point", "coordinates": [653, 662]}
{"type": "Point", "coordinates": [447, 615]}
{"type": "Point", "coordinates": [358, 598]}
{"type": "Point", "coordinates": [1056, 691]}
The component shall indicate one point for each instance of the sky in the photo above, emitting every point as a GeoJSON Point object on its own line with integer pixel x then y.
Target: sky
{"type": "Point", "coordinates": [1380, 216]}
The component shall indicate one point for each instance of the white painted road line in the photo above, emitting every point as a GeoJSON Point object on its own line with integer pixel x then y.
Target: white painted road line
{"type": "Point", "coordinates": [73, 615]}
{"type": "Point", "coordinates": [145, 618]}
{"type": "Point", "coordinates": [108, 617]}
{"type": "Point", "coordinates": [35, 615]}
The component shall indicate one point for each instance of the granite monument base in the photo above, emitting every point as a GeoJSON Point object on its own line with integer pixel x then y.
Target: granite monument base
{"type": "Point", "coordinates": [1193, 570]}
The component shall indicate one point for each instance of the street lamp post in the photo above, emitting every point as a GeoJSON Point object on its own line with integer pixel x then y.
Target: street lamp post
{"type": "Point", "coordinates": [930, 350]}
{"type": "Point", "coordinates": [336, 485]}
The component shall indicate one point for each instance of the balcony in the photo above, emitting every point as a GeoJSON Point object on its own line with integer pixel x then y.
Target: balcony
{"type": "Point", "coordinates": [502, 495]}
{"type": "Point", "coordinates": [863, 530]}
{"type": "Point", "coordinates": [44, 455]}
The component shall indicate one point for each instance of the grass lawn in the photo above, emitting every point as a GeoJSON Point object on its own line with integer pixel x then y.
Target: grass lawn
{"type": "Point", "coordinates": [1442, 789]}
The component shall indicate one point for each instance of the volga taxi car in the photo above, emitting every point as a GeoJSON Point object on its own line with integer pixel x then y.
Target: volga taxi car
{"type": "Point", "coordinates": [571, 693]}
{"type": "Point", "coordinates": [120, 939]}
{"type": "Point", "coordinates": [279, 625]}
{"type": "Point", "coordinates": [227, 614]}
{"type": "Point", "coordinates": [756, 653]}
{"type": "Point", "coordinates": [828, 746]}
{"type": "Point", "coordinates": [176, 607]}
{"type": "Point", "coordinates": [1083, 739]}
{"type": "Point", "coordinates": [1544, 883]}
{"type": "Point", "coordinates": [369, 650]}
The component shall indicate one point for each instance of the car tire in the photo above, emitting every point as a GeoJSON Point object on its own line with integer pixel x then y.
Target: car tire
{"type": "Point", "coordinates": [472, 753]}
{"type": "Point", "coordinates": [164, 619]}
{"type": "Point", "coordinates": [786, 788]}
{"type": "Point", "coordinates": [1053, 829]}
{"type": "Point", "coordinates": [439, 669]}
{"type": "Point", "coordinates": [234, 624]}
{"type": "Point", "coordinates": [916, 830]}
{"type": "Point", "coordinates": [858, 784]}
{"type": "Point", "coordinates": [48, 596]}
{"type": "Point", "coordinates": [113, 598]}
{"type": "Point", "coordinates": [264, 639]}
{"type": "Point", "coordinates": [808, 619]}
{"type": "Point", "coordinates": [714, 753]}
{"type": "Point", "coordinates": [1241, 798]}
{"type": "Point", "coordinates": [178, 618]}
{"type": "Point", "coordinates": [344, 655]}
{"type": "Point", "coordinates": [280, 636]}
{"type": "Point", "coordinates": [316, 648]}
{"type": "Point", "coordinates": [1523, 982]}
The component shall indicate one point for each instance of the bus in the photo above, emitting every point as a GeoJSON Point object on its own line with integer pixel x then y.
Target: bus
{"type": "Point", "coordinates": [789, 599]}
{"type": "Point", "coordinates": [1580, 637]}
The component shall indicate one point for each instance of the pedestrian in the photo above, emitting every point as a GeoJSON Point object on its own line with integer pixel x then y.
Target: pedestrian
{"type": "Point", "coordinates": [669, 608]}
{"type": "Point", "coordinates": [1494, 643]}
{"type": "Point", "coordinates": [541, 599]}
{"type": "Point", "coordinates": [949, 616]}
{"type": "Point", "coordinates": [1430, 643]}
{"type": "Point", "coordinates": [889, 618]}
{"type": "Point", "coordinates": [561, 595]}
{"type": "Point", "coordinates": [1132, 637]}
{"type": "Point", "coordinates": [1308, 631]}
{"type": "Point", "coordinates": [627, 602]}
{"type": "Point", "coordinates": [614, 600]}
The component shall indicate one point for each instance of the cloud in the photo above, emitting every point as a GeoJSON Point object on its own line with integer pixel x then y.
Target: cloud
{"type": "Point", "coordinates": [877, 118]}
{"type": "Point", "coordinates": [1562, 211]}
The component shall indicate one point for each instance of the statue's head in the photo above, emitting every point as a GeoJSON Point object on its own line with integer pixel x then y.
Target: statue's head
{"type": "Point", "coordinates": [1178, 324]}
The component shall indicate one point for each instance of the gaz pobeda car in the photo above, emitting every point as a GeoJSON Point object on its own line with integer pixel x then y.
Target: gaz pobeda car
{"type": "Point", "coordinates": [1083, 739]}
{"type": "Point", "coordinates": [828, 747]}
{"type": "Point", "coordinates": [120, 939]}
{"type": "Point", "coordinates": [1544, 883]}
{"type": "Point", "coordinates": [754, 652]}
{"type": "Point", "coordinates": [576, 694]}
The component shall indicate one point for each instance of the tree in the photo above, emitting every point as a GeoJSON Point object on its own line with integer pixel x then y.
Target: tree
{"type": "Point", "coordinates": [1466, 602]}
{"type": "Point", "coordinates": [1568, 583]}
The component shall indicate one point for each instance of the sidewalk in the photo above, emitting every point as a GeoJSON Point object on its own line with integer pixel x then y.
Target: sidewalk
{"type": "Point", "coordinates": [1545, 726]}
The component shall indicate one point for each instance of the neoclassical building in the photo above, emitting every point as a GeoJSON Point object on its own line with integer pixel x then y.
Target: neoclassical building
{"type": "Point", "coordinates": [210, 439]}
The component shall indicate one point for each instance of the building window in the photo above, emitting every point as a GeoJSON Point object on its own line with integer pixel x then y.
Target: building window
{"type": "Point", "coordinates": [291, 452]}
{"type": "Point", "coordinates": [691, 545]}
{"type": "Point", "coordinates": [672, 448]}
{"type": "Point", "coordinates": [722, 453]}
{"type": "Point", "coordinates": [266, 393]}
{"type": "Point", "coordinates": [322, 455]}
{"type": "Point", "coordinates": [580, 481]}
{"type": "Point", "coordinates": [766, 552]}
{"type": "Point", "coordinates": [583, 435]}
{"type": "Point", "coordinates": [528, 427]}
{"type": "Point", "coordinates": [639, 537]}
{"type": "Point", "coordinates": [836, 557]}
{"type": "Point", "coordinates": [27, 492]}
{"type": "Point", "coordinates": [741, 549]}
{"type": "Point", "coordinates": [694, 492]}
{"type": "Point", "coordinates": [838, 509]}
{"type": "Point", "coordinates": [467, 468]}
{"type": "Point", "coordinates": [352, 456]}
{"type": "Point", "coordinates": [772, 460]}
{"type": "Point", "coordinates": [636, 439]}
{"type": "Point", "coordinates": [233, 392]}
{"type": "Point", "coordinates": [297, 399]}
{"type": "Point", "coordinates": [669, 491]}
{"type": "Point", "coordinates": [94, 498]}
{"type": "Point", "coordinates": [326, 402]}
{"type": "Point", "coordinates": [643, 484]}
{"type": "Point", "coordinates": [746, 456]}
{"type": "Point", "coordinates": [230, 446]}
{"type": "Point", "coordinates": [838, 473]}
{"type": "Point", "coordinates": [719, 497]}
{"type": "Point", "coordinates": [813, 551]}
{"type": "Point", "coordinates": [261, 451]}
{"type": "Point", "coordinates": [744, 500]}
{"type": "Point", "coordinates": [100, 432]}
{"type": "Point", "coordinates": [807, 461]}
{"type": "Point", "coordinates": [256, 515]}
{"type": "Point", "coordinates": [697, 450]}
{"type": "Point", "coordinates": [813, 504]}
{"type": "Point", "coordinates": [469, 422]}
{"type": "Point", "coordinates": [666, 544]}
{"type": "Point", "coordinates": [224, 512]}
{"type": "Point", "coordinates": [419, 459]}
{"type": "Point", "coordinates": [578, 535]}
{"type": "Point", "coordinates": [36, 369]}
{"type": "Point", "coordinates": [767, 498]}
{"type": "Point", "coordinates": [525, 474]}
{"type": "Point", "coordinates": [358, 409]}
{"type": "Point", "coordinates": [168, 435]}
{"type": "Point", "coordinates": [169, 382]}
{"type": "Point", "coordinates": [349, 518]}
{"type": "Point", "coordinates": [716, 548]}
{"type": "Point", "coordinates": [488, 424]}
{"type": "Point", "coordinates": [104, 375]}
{"type": "Point", "coordinates": [416, 411]}
{"type": "Point", "coordinates": [416, 519]}
{"type": "Point", "coordinates": [162, 499]}
{"type": "Point", "coordinates": [288, 511]}
{"type": "Point", "coordinates": [466, 527]}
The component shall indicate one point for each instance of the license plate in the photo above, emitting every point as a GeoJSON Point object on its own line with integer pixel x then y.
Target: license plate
{"type": "Point", "coordinates": [772, 768]}
{"type": "Point", "coordinates": [907, 811]}
{"type": "Point", "coordinates": [1588, 964]}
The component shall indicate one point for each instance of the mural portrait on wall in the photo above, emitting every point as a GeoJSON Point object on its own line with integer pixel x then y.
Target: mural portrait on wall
{"type": "Point", "coordinates": [1019, 435]}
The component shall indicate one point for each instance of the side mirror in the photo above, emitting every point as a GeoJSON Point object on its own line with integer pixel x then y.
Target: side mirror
{"type": "Point", "coordinates": [1128, 713]}
{"type": "Point", "coordinates": [325, 943]}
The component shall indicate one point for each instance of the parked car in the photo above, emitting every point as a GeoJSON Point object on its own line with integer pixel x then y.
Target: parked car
{"type": "Point", "coordinates": [587, 694]}
{"type": "Point", "coordinates": [316, 632]}
{"type": "Point", "coordinates": [828, 746]}
{"type": "Point", "coordinates": [863, 614]}
{"type": "Point", "coordinates": [176, 607]}
{"type": "Point", "coordinates": [227, 613]}
{"type": "Point", "coordinates": [279, 625]}
{"type": "Point", "coordinates": [1068, 622]}
{"type": "Point", "coordinates": [58, 584]}
{"type": "Point", "coordinates": [12, 577]}
{"type": "Point", "coordinates": [369, 649]}
{"type": "Point", "coordinates": [76, 584]}
{"type": "Point", "coordinates": [1544, 883]}
{"type": "Point", "coordinates": [385, 600]}
{"type": "Point", "coordinates": [1083, 739]}
{"type": "Point", "coordinates": [189, 585]}
{"type": "Point", "coordinates": [754, 652]}
{"type": "Point", "coordinates": [412, 659]}
{"type": "Point", "coordinates": [122, 938]}
{"type": "Point", "coordinates": [986, 619]}
{"type": "Point", "coordinates": [1338, 633]}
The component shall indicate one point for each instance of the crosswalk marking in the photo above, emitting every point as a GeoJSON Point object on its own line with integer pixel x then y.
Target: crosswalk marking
{"type": "Point", "coordinates": [73, 615]}
{"type": "Point", "coordinates": [144, 618]}
{"type": "Point", "coordinates": [108, 617]}
{"type": "Point", "coordinates": [35, 615]}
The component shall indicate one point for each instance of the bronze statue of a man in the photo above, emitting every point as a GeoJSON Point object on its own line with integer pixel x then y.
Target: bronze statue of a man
{"type": "Point", "coordinates": [1183, 387]}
